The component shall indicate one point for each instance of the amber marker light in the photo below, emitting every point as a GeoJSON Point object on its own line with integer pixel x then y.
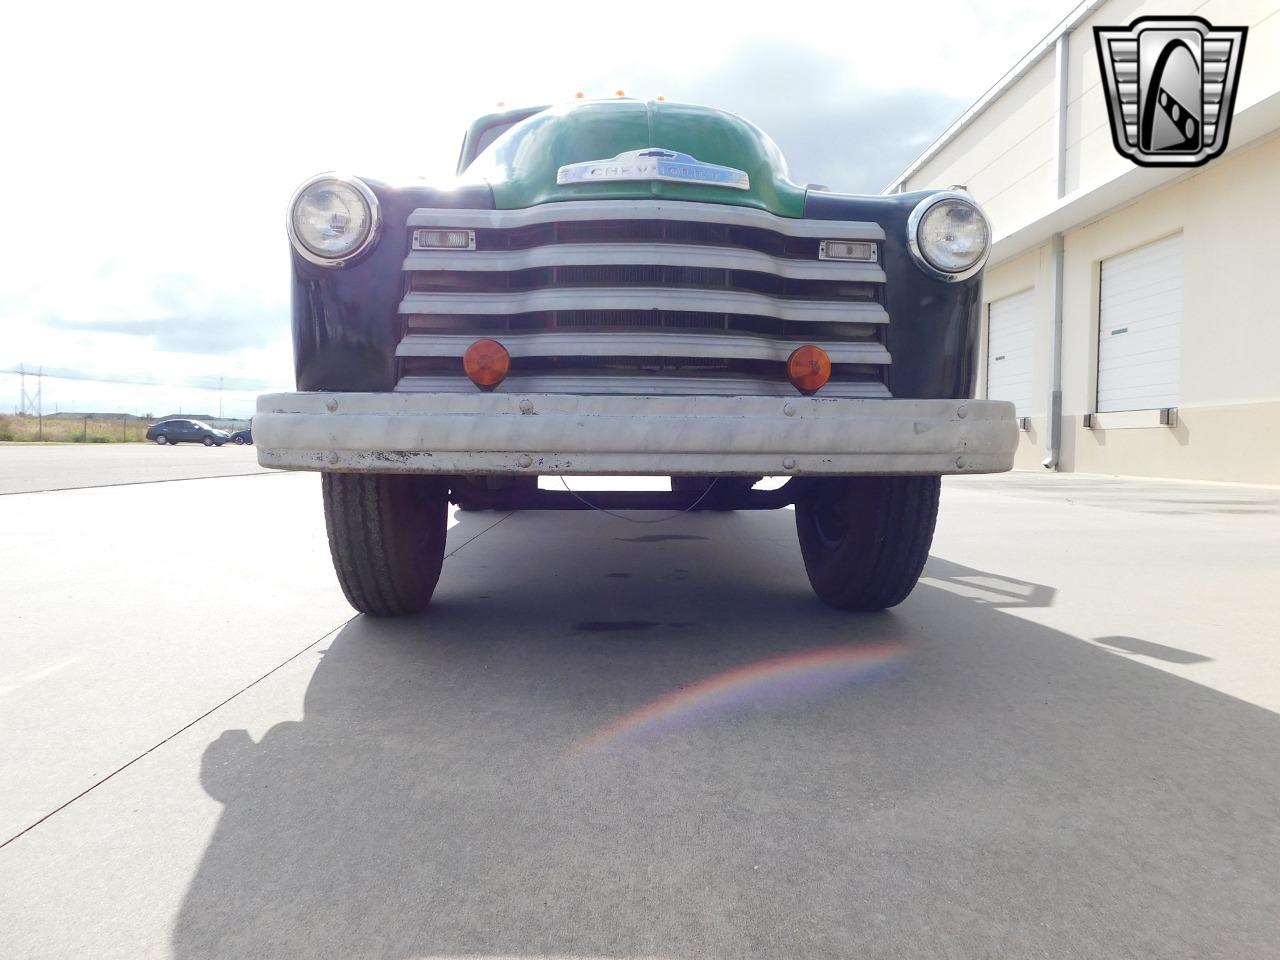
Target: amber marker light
{"type": "Point", "coordinates": [487, 363]}
{"type": "Point", "coordinates": [808, 368]}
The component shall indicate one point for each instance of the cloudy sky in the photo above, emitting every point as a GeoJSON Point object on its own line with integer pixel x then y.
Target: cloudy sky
{"type": "Point", "coordinates": [150, 149]}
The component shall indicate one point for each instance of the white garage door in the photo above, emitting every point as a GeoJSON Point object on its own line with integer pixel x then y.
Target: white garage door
{"type": "Point", "coordinates": [1010, 324]}
{"type": "Point", "coordinates": [1140, 328]}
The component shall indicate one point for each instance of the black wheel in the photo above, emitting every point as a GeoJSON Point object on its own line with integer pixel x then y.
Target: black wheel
{"type": "Point", "coordinates": [238, 441]}
{"type": "Point", "coordinates": [161, 439]}
{"type": "Point", "coordinates": [207, 441]}
{"type": "Point", "coordinates": [865, 539]}
{"type": "Point", "coordinates": [386, 537]}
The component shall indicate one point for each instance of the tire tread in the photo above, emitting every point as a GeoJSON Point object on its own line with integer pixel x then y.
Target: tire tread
{"type": "Point", "coordinates": [879, 567]}
{"type": "Point", "coordinates": [386, 549]}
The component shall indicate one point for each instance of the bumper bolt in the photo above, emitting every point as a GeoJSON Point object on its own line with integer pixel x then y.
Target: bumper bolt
{"type": "Point", "coordinates": [788, 463]}
{"type": "Point", "coordinates": [333, 457]}
{"type": "Point", "coordinates": [962, 411]}
{"type": "Point", "coordinates": [960, 462]}
{"type": "Point", "coordinates": [331, 405]}
{"type": "Point", "coordinates": [526, 406]}
{"type": "Point", "coordinates": [789, 409]}
{"type": "Point", "coordinates": [524, 460]}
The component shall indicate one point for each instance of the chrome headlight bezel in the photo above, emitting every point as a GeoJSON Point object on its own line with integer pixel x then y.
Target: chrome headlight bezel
{"type": "Point", "coordinates": [371, 234]}
{"type": "Point", "coordinates": [917, 251]}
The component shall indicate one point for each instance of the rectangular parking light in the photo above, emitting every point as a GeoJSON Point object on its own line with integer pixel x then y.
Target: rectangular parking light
{"type": "Point", "coordinates": [863, 250]}
{"type": "Point", "coordinates": [444, 239]}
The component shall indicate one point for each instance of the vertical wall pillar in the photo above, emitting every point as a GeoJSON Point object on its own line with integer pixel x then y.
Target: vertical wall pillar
{"type": "Point", "coordinates": [1060, 101]}
{"type": "Point", "coordinates": [1053, 442]}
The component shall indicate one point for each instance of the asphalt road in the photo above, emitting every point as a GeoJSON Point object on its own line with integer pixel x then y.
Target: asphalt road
{"type": "Point", "coordinates": [30, 467]}
{"type": "Point", "coordinates": [612, 740]}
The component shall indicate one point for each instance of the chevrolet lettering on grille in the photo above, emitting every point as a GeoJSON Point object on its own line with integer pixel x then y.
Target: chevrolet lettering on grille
{"type": "Point", "coordinates": [654, 164]}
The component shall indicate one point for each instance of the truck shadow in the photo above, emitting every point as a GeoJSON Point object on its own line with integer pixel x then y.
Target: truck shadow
{"type": "Point", "coordinates": [736, 771]}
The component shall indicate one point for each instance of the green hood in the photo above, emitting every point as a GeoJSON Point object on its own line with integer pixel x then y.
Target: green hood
{"type": "Point", "coordinates": [521, 165]}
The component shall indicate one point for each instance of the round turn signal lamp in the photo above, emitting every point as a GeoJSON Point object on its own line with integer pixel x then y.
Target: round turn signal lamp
{"type": "Point", "coordinates": [808, 368]}
{"type": "Point", "coordinates": [487, 363]}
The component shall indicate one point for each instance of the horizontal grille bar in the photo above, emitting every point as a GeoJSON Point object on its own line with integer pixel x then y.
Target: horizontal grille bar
{"type": "Point", "coordinates": [640, 275]}
{"type": "Point", "coordinates": [730, 346]}
{"type": "Point", "coordinates": [645, 210]}
{"type": "Point", "coordinates": [631, 254]}
{"type": "Point", "coordinates": [635, 385]}
{"type": "Point", "coordinates": [643, 298]}
{"type": "Point", "coordinates": [640, 321]}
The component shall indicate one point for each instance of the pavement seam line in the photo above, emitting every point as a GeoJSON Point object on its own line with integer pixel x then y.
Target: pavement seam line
{"type": "Point", "coordinates": [94, 786]}
{"type": "Point", "coordinates": [477, 536]}
{"type": "Point", "coordinates": [142, 483]}
{"type": "Point", "coordinates": [89, 789]}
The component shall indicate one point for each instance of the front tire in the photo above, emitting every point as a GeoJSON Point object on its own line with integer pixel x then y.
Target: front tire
{"type": "Point", "coordinates": [207, 441]}
{"type": "Point", "coordinates": [865, 540]}
{"type": "Point", "coordinates": [162, 440]}
{"type": "Point", "coordinates": [386, 537]}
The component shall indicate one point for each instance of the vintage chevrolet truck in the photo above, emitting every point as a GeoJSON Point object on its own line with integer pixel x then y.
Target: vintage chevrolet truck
{"type": "Point", "coordinates": [632, 287]}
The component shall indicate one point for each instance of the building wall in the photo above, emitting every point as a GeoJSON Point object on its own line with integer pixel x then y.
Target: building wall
{"type": "Point", "coordinates": [1229, 402]}
{"type": "Point", "coordinates": [1009, 158]}
{"type": "Point", "coordinates": [1028, 271]}
{"type": "Point", "coordinates": [1006, 155]}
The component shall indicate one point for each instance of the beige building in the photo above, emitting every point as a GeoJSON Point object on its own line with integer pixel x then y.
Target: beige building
{"type": "Point", "coordinates": [1144, 303]}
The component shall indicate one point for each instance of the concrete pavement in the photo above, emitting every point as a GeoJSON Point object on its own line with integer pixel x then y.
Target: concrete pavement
{"type": "Point", "coordinates": [612, 740]}
{"type": "Point", "coordinates": [31, 467]}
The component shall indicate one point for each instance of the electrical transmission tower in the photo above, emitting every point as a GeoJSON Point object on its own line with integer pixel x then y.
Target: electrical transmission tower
{"type": "Point", "coordinates": [30, 403]}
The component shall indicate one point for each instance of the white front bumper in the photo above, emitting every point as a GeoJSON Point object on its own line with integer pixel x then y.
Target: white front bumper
{"type": "Point", "coordinates": [490, 433]}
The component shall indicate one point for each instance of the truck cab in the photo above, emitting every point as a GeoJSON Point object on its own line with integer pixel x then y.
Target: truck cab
{"type": "Point", "coordinates": [632, 287]}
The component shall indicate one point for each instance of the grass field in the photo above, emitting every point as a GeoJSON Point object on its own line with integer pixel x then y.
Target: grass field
{"type": "Point", "coordinates": [71, 430]}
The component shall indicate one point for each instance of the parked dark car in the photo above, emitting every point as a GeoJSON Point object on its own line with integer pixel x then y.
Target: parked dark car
{"type": "Point", "coordinates": [187, 431]}
{"type": "Point", "coordinates": [241, 437]}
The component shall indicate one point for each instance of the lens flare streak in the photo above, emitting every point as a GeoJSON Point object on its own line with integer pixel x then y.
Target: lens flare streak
{"type": "Point", "coordinates": [799, 678]}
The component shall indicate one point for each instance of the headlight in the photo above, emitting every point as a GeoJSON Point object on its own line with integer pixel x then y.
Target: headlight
{"type": "Point", "coordinates": [333, 219]}
{"type": "Point", "coordinates": [949, 236]}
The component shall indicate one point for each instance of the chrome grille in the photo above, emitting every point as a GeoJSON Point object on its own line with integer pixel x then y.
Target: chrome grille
{"type": "Point", "coordinates": [642, 297]}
